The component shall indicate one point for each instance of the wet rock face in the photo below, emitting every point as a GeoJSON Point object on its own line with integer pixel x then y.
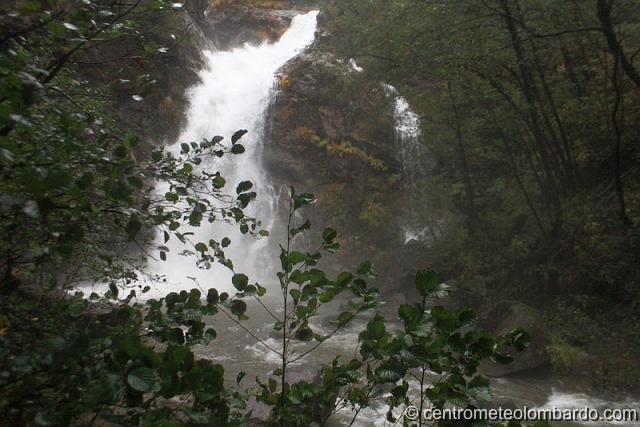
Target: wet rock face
{"type": "Point", "coordinates": [147, 88]}
{"type": "Point", "coordinates": [330, 131]}
{"type": "Point", "coordinates": [231, 23]}
{"type": "Point", "coordinates": [342, 124]}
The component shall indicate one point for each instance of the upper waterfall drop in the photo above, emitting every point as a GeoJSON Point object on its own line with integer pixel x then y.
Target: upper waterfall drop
{"type": "Point", "coordinates": [234, 93]}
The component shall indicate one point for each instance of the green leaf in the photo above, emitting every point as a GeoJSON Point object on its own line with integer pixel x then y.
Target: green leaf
{"type": "Point", "coordinates": [304, 333]}
{"type": "Point", "coordinates": [219, 182]}
{"type": "Point", "coordinates": [244, 186]}
{"type": "Point", "coordinates": [261, 290]}
{"type": "Point", "coordinates": [329, 234]}
{"type": "Point", "coordinates": [296, 257]}
{"type": "Point", "coordinates": [364, 268]}
{"type": "Point", "coordinates": [305, 226]}
{"type": "Point", "coordinates": [210, 334]}
{"type": "Point", "coordinates": [479, 388]}
{"type": "Point", "coordinates": [300, 200]}
{"type": "Point", "coordinates": [120, 151]}
{"type": "Point", "coordinates": [386, 375]}
{"type": "Point", "coordinates": [295, 294]}
{"type": "Point", "coordinates": [143, 380]}
{"type": "Point", "coordinates": [466, 316]}
{"type": "Point", "coordinates": [344, 318]}
{"type": "Point", "coordinates": [172, 197]}
{"type": "Point", "coordinates": [240, 281]}
{"type": "Point", "coordinates": [325, 297]}
{"type": "Point", "coordinates": [133, 227]}
{"type": "Point", "coordinates": [519, 338]}
{"type": "Point", "coordinates": [501, 358]}
{"type": "Point", "coordinates": [212, 296]}
{"type": "Point", "coordinates": [238, 307]}
{"type": "Point", "coordinates": [225, 242]}
{"type": "Point", "coordinates": [114, 289]}
{"type": "Point", "coordinates": [376, 328]}
{"type": "Point", "coordinates": [237, 135]}
{"type": "Point", "coordinates": [201, 247]}
{"type": "Point", "coordinates": [239, 377]}
{"type": "Point", "coordinates": [237, 149]}
{"type": "Point", "coordinates": [195, 217]}
{"type": "Point", "coordinates": [343, 279]}
{"type": "Point", "coordinates": [426, 282]}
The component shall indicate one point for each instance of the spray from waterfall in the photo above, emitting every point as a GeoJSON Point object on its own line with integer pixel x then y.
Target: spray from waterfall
{"type": "Point", "coordinates": [234, 93]}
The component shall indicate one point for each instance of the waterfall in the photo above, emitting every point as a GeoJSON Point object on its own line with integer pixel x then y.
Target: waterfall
{"type": "Point", "coordinates": [234, 93]}
{"type": "Point", "coordinates": [407, 133]}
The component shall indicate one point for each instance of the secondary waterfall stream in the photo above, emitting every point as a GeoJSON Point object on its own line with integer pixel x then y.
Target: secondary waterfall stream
{"type": "Point", "coordinates": [411, 155]}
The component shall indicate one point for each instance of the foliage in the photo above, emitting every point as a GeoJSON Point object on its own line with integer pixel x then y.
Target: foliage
{"type": "Point", "coordinates": [78, 202]}
{"type": "Point", "coordinates": [374, 214]}
{"type": "Point", "coordinates": [432, 340]}
{"type": "Point", "coordinates": [347, 148]}
{"type": "Point", "coordinates": [563, 355]}
{"type": "Point", "coordinates": [77, 188]}
{"type": "Point", "coordinates": [69, 361]}
{"type": "Point", "coordinates": [303, 133]}
{"type": "Point", "coordinates": [132, 364]}
{"type": "Point", "coordinates": [529, 114]}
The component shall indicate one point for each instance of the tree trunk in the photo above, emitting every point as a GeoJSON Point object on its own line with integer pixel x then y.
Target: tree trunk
{"type": "Point", "coordinates": [604, 16]}
{"type": "Point", "coordinates": [617, 143]}
{"type": "Point", "coordinates": [528, 90]}
{"type": "Point", "coordinates": [472, 213]}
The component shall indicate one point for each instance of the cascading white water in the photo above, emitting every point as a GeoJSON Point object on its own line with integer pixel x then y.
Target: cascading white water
{"type": "Point", "coordinates": [406, 126]}
{"type": "Point", "coordinates": [234, 93]}
{"type": "Point", "coordinates": [407, 130]}
{"type": "Point", "coordinates": [407, 133]}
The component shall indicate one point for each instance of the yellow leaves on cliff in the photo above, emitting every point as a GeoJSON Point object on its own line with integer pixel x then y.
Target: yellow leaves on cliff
{"type": "Point", "coordinates": [283, 81]}
{"type": "Point", "coordinates": [346, 147]}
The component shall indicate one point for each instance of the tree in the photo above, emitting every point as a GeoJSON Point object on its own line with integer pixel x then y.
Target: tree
{"type": "Point", "coordinates": [541, 97]}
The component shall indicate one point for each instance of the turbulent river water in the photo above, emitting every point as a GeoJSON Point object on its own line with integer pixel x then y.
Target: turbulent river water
{"type": "Point", "coordinates": [234, 93]}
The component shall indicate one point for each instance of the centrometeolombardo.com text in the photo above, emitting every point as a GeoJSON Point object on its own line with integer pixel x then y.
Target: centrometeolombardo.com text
{"type": "Point", "coordinates": [584, 414]}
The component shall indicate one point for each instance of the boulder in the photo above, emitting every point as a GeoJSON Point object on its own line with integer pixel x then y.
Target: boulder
{"type": "Point", "coordinates": [507, 316]}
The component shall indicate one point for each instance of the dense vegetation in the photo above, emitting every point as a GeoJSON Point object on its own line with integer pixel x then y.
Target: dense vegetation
{"type": "Point", "coordinates": [530, 116]}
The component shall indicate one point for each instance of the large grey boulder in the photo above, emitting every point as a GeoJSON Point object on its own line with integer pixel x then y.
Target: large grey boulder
{"type": "Point", "coordinates": [507, 316]}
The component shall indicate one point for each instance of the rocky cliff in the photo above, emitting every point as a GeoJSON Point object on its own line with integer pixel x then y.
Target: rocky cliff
{"type": "Point", "coordinates": [331, 132]}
